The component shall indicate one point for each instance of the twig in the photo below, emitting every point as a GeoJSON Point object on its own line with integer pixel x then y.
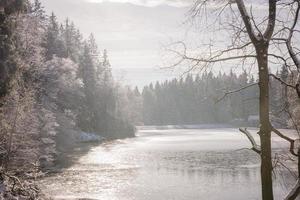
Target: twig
{"type": "Point", "coordinates": [235, 91]}
{"type": "Point", "coordinates": [282, 81]}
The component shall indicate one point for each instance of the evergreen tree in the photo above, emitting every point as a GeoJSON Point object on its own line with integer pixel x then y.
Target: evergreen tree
{"type": "Point", "coordinates": [194, 100]}
{"type": "Point", "coordinates": [53, 44]}
{"type": "Point", "coordinates": [38, 10]}
{"type": "Point", "coordinates": [88, 119]}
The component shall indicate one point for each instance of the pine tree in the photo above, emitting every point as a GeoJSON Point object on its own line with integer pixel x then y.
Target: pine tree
{"type": "Point", "coordinates": [38, 10]}
{"type": "Point", "coordinates": [52, 42]}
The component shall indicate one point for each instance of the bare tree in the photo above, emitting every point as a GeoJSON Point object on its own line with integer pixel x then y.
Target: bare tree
{"type": "Point", "coordinates": [255, 40]}
{"type": "Point", "coordinates": [285, 41]}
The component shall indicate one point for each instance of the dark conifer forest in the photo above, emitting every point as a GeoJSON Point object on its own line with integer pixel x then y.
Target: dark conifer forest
{"type": "Point", "coordinates": [206, 99]}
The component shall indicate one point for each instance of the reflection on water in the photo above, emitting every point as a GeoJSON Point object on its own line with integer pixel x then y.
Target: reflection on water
{"type": "Point", "coordinates": [169, 165]}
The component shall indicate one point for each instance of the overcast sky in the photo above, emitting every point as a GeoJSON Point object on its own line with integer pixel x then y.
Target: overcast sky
{"type": "Point", "coordinates": [135, 32]}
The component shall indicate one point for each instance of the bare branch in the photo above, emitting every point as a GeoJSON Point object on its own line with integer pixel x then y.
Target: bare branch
{"type": "Point", "coordinates": [247, 20]}
{"type": "Point", "coordinates": [218, 59]}
{"type": "Point", "coordinates": [255, 147]}
{"type": "Point", "coordinates": [235, 91]}
{"type": "Point", "coordinates": [289, 39]}
{"type": "Point", "coordinates": [272, 18]}
{"type": "Point", "coordinates": [282, 81]}
{"type": "Point", "coordinates": [290, 140]}
{"type": "Point", "coordinates": [294, 193]}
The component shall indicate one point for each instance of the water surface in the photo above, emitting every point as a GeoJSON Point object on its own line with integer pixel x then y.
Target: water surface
{"type": "Point", "coordinates": [174, 164]}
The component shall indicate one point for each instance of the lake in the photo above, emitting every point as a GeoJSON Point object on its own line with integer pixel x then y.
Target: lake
{"type": "Point", "coordinates": [169, 164]}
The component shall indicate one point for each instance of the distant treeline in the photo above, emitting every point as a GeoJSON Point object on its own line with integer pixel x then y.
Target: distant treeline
{"type": "Point", "coordinates": [207, 98]}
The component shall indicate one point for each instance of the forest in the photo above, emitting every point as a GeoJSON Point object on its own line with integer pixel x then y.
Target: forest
{"type": "Point", "coordinates": [195, 100]}
{"type": "Point", "coordinates": [203, 100]}
{"type": "Point", "coordinates": [54, 86]}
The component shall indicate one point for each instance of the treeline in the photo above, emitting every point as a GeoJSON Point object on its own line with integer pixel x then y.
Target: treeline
{"type": "Point", "coordinates": [99, 111]}
{"type": "Point", "coordinates": [208, 98]}
{"type": "Point", "coordinates": [54, 85]}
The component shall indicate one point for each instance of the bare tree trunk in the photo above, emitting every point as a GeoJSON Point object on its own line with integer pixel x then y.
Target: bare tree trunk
{"type": "Point", "coordinates": [298, 155]}
{"type": "Point", "coordinates": [265, 126]}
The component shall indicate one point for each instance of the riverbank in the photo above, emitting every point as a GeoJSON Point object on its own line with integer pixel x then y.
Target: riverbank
{"type": "Point", "coordinates": [21, 182]}
{"type": "Point", "coordinates": [20, 185]}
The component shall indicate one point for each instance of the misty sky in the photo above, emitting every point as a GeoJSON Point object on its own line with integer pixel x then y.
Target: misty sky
{"type": "Point", "coordinates": [133, 31]}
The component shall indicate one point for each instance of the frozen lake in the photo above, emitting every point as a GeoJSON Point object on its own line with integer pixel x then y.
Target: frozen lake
{"type": "Point", "coordinates": [172, 164]}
